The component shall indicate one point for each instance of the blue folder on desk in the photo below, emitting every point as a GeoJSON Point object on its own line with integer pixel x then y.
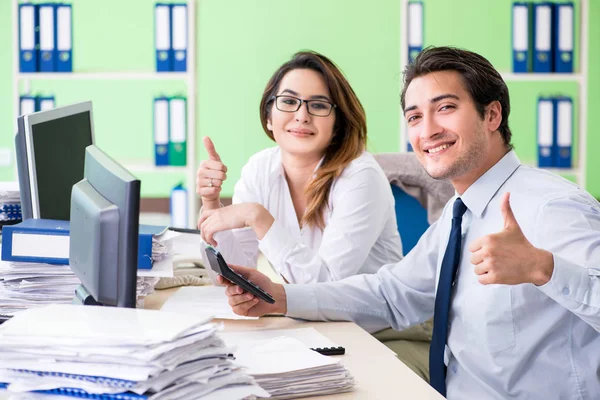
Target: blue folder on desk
{"type": "Point", "coordinates": [542, 37]}
{"type": "Point", "coordinates": [563, 37]}
{"type": "Point", "coordinates": [162, 37]}
{"type": "Point", "coordinates": [47, 14]}
{"type": "Point", "coordinates": [546, 132]}
{"type": "Point", "coordinates": [28, 51]}
{"type": "Point", "coordinates": [521, 26]}
{"type": "Point", "coordinates": [64, 38]}
{"type": "Point", "coordinates": [47, 241]}
{"type": "Point", "coordinates": [179, 39]}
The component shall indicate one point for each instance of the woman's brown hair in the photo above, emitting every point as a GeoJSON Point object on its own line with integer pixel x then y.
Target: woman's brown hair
{"type": "Point", "coordinates": [349, 131]}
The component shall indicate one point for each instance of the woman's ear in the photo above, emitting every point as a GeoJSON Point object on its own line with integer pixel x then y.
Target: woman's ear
{"type": "Point", "coordinates": [269, 125]}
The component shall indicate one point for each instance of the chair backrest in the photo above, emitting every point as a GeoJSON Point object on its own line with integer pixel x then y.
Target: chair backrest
{"type": "Point", "coordinates": [411, 218]}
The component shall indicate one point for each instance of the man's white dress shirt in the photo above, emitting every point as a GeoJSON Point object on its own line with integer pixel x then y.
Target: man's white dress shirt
{"type": "Point", "coordinates": [505, 341]}
{"type": "Point", "coordinates": [360, 232]}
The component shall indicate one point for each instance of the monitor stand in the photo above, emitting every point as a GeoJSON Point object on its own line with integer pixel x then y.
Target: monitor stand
{"type": "Point", "coordinates": [84, 298]}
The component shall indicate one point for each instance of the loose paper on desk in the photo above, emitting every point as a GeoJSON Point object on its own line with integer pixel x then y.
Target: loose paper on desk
{"type": "Point", "coordinates": [194, 299]}
{"type": "Point", "coordinates": [311, 337]}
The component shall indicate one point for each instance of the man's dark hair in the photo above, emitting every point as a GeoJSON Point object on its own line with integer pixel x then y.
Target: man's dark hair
{"type": "Point", "coordinates": [479, 76]}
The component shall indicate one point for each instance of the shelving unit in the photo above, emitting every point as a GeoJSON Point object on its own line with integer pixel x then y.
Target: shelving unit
{"type": "Point", "coordinates": [22, 84]}
{"type": "Point", "coordinates": [580, 77]}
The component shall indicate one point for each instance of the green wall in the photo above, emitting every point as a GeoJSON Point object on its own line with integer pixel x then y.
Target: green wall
{"type": "Point", "coordinates": [241, 42]}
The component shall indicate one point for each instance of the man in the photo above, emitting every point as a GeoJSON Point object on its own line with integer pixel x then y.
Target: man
{"type": "Point", "coordinates": [510, 268]}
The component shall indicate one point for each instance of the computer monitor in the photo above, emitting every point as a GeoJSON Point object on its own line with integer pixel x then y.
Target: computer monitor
{"type": "Point", "coordinates": [50, 149]}
{"type": "Point", "coordinates": [104, 227]}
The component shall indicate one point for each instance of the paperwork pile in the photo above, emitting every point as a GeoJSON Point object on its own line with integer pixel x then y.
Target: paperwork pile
{"type": "Point", "coordinates": [28, 285]}
{"type": "Point", "coordinates": [106, 352]}
{"type": "Point", "coordinates": [286, 367]}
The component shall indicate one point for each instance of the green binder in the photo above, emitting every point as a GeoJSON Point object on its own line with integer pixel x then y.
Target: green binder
{"type": "Point", "coordinates": [177, 130]}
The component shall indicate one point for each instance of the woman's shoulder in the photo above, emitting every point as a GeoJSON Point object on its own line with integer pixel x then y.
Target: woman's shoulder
{"type": "Point", "coordinates": [364, 162]}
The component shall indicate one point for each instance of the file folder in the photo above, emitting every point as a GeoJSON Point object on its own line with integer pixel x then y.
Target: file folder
{"type": "Point", "coordinates": [177, 131]}
{"type": "Point", "coordinates": [27, 105]}
{"type": "Point", "coordinates": [47, 33]}
{"type": "Point", "coordinates": [546, 132]}
{"type": "Point", "coordinates": [179, 36]}
{"type": "Point", "coordinates": [564, 132]}
{"type": "Point", "coordinates": [542, 37]}
{"type": "Point", "coordinates": [178, 207]}
{"type": "Point", "coordinates": [64, 38]}
{"type": "Point", "coordinates": [161, 131]}
{"type": "Point", "coordinates": [415, 29]}
{"type": "Point", "coordinates": [162, 37]}
{"type": "Point", "coordinates": [44, 103]}
{"type": "Point", "coordinates": [521, 25]}
{"type": "Point", "coordinates": [563, 38]}
{"type": "Point", "coordinates": [28, 52]}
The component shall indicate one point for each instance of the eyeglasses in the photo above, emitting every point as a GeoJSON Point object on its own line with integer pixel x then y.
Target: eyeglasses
{"type": "Point", "coordinates": [318, 108]}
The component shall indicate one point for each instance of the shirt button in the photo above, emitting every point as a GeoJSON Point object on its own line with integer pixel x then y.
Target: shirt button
{"type": "Point", "coordinates": [454, 368]}
{"type": "Point", "coordinates": [566, 291]}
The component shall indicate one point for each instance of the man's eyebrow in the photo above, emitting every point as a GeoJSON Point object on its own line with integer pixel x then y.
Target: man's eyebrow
{"type": "Point", "coordinates": [316, 97]}
{"type": "Point", "coordinates": [434, 100]}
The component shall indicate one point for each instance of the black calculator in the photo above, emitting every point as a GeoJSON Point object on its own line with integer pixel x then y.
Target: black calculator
{"type": "Point", "coordinates": [218, 264]}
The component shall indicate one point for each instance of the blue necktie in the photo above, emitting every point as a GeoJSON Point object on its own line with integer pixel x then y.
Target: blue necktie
{"type": "Point", "coordinates": [437, 368]}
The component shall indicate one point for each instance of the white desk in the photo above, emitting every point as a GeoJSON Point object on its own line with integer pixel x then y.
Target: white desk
{"type": "Point", "coordinates": [376, 369]}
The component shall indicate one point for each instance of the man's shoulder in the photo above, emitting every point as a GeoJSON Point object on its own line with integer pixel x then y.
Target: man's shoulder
{"type": "Point", "coordinates": [542, 186]}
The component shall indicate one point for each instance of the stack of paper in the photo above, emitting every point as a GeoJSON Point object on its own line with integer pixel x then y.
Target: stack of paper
{"type": "Point", "coordinates": [286, 367]}
{"type": "Point", "coordinates": [29, 285]}
{"type": "Point", "coordinates": [120, 353]}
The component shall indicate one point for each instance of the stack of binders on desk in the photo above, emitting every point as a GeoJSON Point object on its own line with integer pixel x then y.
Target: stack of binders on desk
{"type": "Point", "coordinates": [119, 353]}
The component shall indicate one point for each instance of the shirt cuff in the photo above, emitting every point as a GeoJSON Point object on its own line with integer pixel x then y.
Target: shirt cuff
{"type": "Point", "coordinates": [567, 281]}
{"type": "Point", "coordinates": [301, 301]}
{"type": "Point", "coordinates": [275, 245]}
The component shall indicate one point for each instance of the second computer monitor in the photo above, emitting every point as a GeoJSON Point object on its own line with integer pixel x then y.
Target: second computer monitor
{"type": "Point", "coordinates": [50, 147]}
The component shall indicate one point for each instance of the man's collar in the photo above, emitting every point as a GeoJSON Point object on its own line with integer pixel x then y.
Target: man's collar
{"type": "Point", "coordinates": [480, 193]}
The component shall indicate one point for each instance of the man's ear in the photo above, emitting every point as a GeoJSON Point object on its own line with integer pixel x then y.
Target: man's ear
{"type": "Point", "coordinates": [493, 115]}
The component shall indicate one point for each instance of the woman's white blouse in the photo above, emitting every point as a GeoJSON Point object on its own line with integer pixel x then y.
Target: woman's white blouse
{"type": "Point", "coordinates": [360, 232]}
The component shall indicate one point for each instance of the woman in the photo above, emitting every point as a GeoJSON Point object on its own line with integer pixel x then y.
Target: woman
{"type": "Point", "coordinates": [317, 205]}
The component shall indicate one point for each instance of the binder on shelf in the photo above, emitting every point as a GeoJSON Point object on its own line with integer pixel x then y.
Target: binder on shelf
{"type": "Point", "coordinates": [27, 104]}
{"type": "Point", "coordinates": [44, 103]}
{"type": "Point", "coordinates": [178, 207]}
{"type": "Point", "coordinates": [179, 31]}
{"type": "Point", "coordinates": [542, 37]}
{"type": "Point", "coordinates": [64, 38]}
{"type": "Point", "coordinates": [521, 25]}
{"type": "Point", "coordinates": [177, 131]}
{"type": "Point", "coordinates": [28, 51]}
{"type": "Point", "coordinates": [162, 37]}
{"type": "Point", "coordinates": [563, 37]}
{"type": "Point", "coordinates": [564, 132]}
{"type": "Point", "coordinates": [546, 132]}
{"type": "Point", "coordinates": [47, 41]}
{"type": "Point", "coordinates": [47, 241]}
{"type": "Point", "coordinates": [415, 29]}
{"type": "Point", "coordinates": [161, 131]}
